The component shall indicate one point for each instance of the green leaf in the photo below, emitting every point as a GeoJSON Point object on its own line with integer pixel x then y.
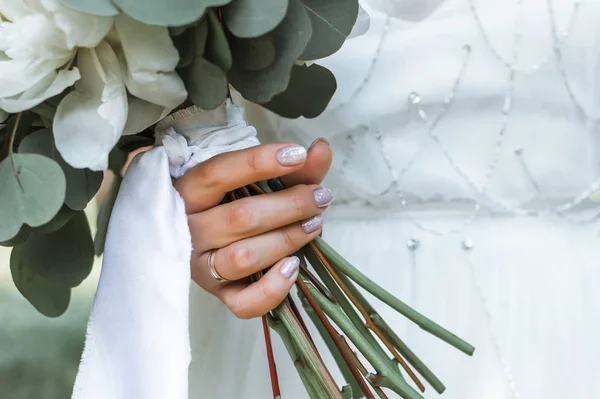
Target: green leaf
{"type": "Point", "coordinates": [206, 83]}
{"type": "Point", "coordinates": [167, 13]}
{"type": "Point", "coordinates": [95, 7]}
{"type": "Point", "coordinates": [82, 184]}
{"type": "Point", "coordinates": [253, 18]}
{"type": "Point", "coordinates": [62, 217]}
{"type": "Point", "coordinates": [253, 54]}
{"type": "Point", "coordinates": [65, 256]}
{"type": "Point", "coordinates": [49, 298]}
{"type": "Point", "coordinates": [134, 142]}
{"type": "Point", "coordinates": [19, 238]}
{"type": "Point", "coordinates": [332, 22]}
{"type": "Point", "coordinates": [32, 191]}
{"type": "Point", "coordinates": [186, 46]}
{"type": "Point", "coordinates": [201, 37]}
{"type": "Point", "coordinates": [290, 39]}
{"type": "Point", "coordinates": [217, 47]}
{"type": "Point", "coordinates": [308, 93]}
{"type": "Point", "coordinates": [104, 214]}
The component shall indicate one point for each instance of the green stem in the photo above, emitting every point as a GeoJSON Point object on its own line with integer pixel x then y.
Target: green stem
{"type": "Point", "coordinates": [306, 350]}
{"type": "Point", "coordinates": [388, 375]}
{"type": "Point", "coordinates": [404, 350]}
{"type": "Point", "coordinates": [342, 265]}
{"type": "Point", "coordinates": [348, 377]}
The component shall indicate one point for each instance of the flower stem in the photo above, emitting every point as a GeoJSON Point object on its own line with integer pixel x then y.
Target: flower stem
{"type": "Point", "coordinates": [426, 324]}
{"type": "Point", "coordinates": [410, 356]}
{"type": "Point", "coordinates": [271, 358]}
{"type": "Point", "coordinates": [336, 340]}
{"type": "Point", "coordinates": [369, 323]}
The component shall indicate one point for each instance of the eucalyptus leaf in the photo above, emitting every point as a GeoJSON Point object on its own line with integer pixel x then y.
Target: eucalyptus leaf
{"type": "Point", "coordinates": [95, 7]}
{"type": "Point", "coordinates": [32, 191]}
{"type": "Point", "coordinates": [65, 256]}
{"type": "Point", "coordinates": [19, 238]}
{"type": "Point", "coordinates": [206, 84]}
{"type": "Point", "coordinates": [308, 93]}
{"type": "Point", "coordinates": [82, 184]}
{"type": "Point", "coordinates": [49, 298]}
{"type": "Point", "coordinates": [58, 221]}
{"type": "Point", "coordinates": [186, 46]}
{"type": "Point", "coordinates": [200, 37]}
{"type": "Point", "coordinates": [104, 215]}
{"type": "Point", "coordinates": [332, 22]}
{"type": "Point", "coordinates": [253, 18]}
{"type": "Point", "coordinates": [253, 54]}
{"type": "Point", "coordinates": [290, 38]}
{"type": "Point", "coordinates": [117, 159]}
{"type": "Point", "coordinates": [167, 13]}
{"type": "Point", "coordinates": [134, 142]}
{"type": "Point", "coordinates": [217, 47]}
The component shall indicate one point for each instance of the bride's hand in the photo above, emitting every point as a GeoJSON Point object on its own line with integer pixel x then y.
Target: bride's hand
{"type": "Point", "coordinates": [252, 234]}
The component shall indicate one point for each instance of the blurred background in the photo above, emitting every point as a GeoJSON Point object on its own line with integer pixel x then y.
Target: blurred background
{"type": "Point", "coordinates": [39, 356]}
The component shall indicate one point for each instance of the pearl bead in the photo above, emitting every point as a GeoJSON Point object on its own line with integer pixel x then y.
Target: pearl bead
{"type": "Point", "coordinates": [468, 244]}
{"type": "Point", "coordinates": [414, 98]}
{"type": "Point", "coordinates": [413, 244]}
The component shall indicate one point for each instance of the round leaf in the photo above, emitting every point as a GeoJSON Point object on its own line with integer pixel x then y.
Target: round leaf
{"type": "Point", "coordinates": [95, 7]}
{"type": "Point", "coordinates": [217, 50]}
{"type": "Point", "coordinates": [19, 238]}
{"type": "Point", "coordinates": [65, 256]}
{"type": "Point", "coordinates": [290, 38]}
{"type": "Point", "coordinates": [206, 84]}
{"type": "Point", "coordinates": [82, 184]}
{"type": "Point", "coordinates": [50, 299]}
{"type": "Point", "coordinates": [253, 18]}
{"type": "Point", "coordinates": [167, 13]}
{"type": "Point", "coordinates": [308, 93]}
{"type": "Point", "coordinates": [186, 47]}
{"type": "Point", "coordinates": [32, 191]}
{"type": "Point", "coordinates": [253, 54]}
{"type": "Point", "coordinates": [332, 22]}
{"type": "Point", "coordinates": [62, 217]}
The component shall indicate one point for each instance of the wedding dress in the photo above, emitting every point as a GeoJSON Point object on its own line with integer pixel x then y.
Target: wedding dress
{"type": "Point", "coordinates": [465, 139]}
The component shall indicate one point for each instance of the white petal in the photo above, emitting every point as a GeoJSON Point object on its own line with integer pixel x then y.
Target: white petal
{"type": "Point", "coordinates": [16, 76]}
{"type": "Point", "coordinates": [52, 85]}
{"type": "Point", "coordinates": [81, 30]}
{"type": "Point", "coordinates": [151, 61]}
{"type": "Point", "coordinates": [14, 9]}
{"type": "Point", "coordinates": [90, 120]}
{"type": "Point", "coordinates": [143, 114]}
{"type": "Point", "coordinates": [362, 24]}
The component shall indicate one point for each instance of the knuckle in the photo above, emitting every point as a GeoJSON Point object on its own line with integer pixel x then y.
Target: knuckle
{"type": "Point", "coordinates": [272, 295]}
{"type": "Point", "coordinates": [242, 216]}
{"type": "Point", "coordinates": [253, 160]}
{"type": "Point", "coordinates": [241, 258]}
{"type": "Point", "coordinates": [300, 201]}
{"type": "Point", "coordinates": [207, 173]}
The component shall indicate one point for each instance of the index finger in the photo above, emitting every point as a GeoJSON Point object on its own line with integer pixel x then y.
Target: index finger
{"type": "Point", "coordinates": [205, 185]}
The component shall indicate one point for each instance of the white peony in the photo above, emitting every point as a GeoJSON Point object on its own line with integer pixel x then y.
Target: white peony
{"type": "Point", "coordinates": [123, 72]}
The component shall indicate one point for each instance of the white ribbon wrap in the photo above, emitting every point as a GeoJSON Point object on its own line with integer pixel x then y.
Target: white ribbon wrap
{"type": "Point", "coordinates": [137, 344]}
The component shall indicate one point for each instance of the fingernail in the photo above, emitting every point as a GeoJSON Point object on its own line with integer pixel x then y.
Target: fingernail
{"type": "Point", "coordinates": [319, 140]}
{"type": "Point", "coordinates": [312, 224]}
{"type": "Point", "coordinates": [290, 267]}
{"type": "Point", "coordinates": [323, 197]}
{"type": "Point", "coordinates": [290, 156]}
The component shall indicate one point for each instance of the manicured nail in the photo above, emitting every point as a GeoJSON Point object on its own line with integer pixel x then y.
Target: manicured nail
{"type": "Point", "coordinates": [323, 197]}
{"type": "Point", "coordinates": [290, 267]}
{"type": "Point", "coordinates": [319, 140]}
{"type": "Point", "coordinates": [312, 224]}
{"type": "Point", "coordinates": [290, 156]}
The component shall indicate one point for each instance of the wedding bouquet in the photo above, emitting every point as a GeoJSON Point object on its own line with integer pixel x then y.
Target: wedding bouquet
{"type": "Point", "coordinates": [82, 83]}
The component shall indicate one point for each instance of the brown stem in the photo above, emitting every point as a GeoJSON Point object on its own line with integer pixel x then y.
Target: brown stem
{"type": "Point", "coordinates": [368, 322]}
{"type": "Point", "coordinates": [271, 357]}
{"type": "Point", "coordinates": [336, 339]}
{"type": "Point", "coordinates": [361, 367]}
{"type": "Point", "coordinates": [301, 321]}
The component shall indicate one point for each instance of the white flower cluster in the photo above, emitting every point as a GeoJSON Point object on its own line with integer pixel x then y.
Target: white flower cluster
{"type": "Point", "coordinates": [123, 73]}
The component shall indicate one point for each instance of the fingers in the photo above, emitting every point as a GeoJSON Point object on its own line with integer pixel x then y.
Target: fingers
{"type": "Point", "coordinates": [315, 168]}
{"type": "Point", "coordinates": [246, 257]}
{"type": "Point", "coordinates": [256, 215]}
{"type": "Point", "coordinates": [204, 186]}
{"type": "Point", "coordinates": [247, 301]}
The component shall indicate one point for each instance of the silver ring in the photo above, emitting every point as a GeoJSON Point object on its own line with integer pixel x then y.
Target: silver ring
{"type": "Point", "coordinates": [211, 267]}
